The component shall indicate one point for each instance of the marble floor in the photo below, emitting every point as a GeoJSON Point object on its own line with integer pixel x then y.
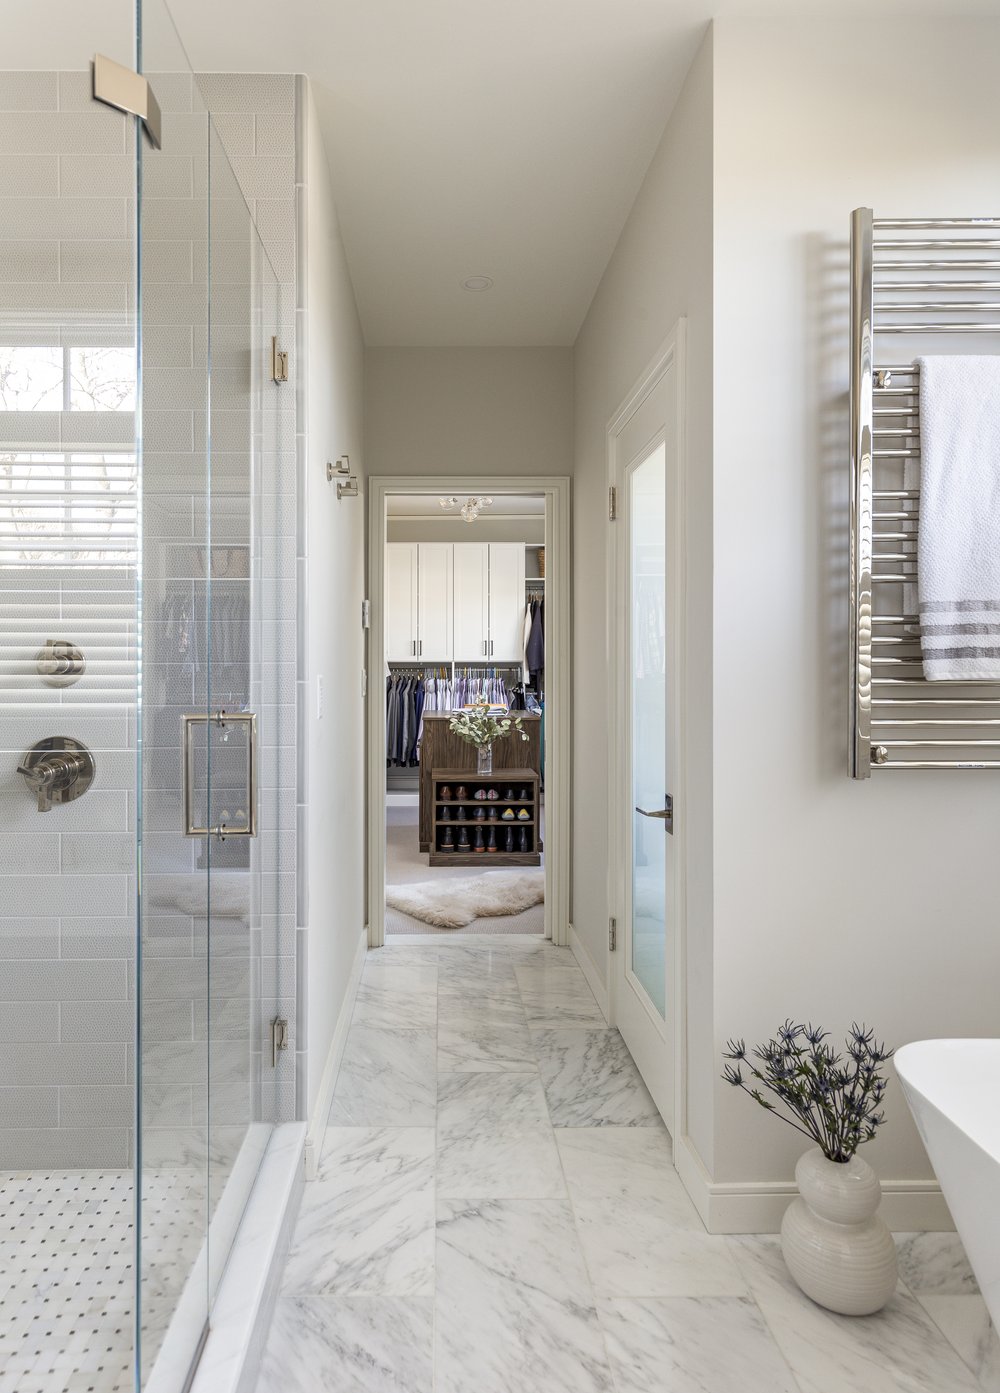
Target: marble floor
{"type": "Point", "coordinates": [496, 1210]}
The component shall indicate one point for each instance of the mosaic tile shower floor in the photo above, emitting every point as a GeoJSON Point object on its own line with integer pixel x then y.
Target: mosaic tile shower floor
{"type": "Point", "coordinates": [67, 1273]}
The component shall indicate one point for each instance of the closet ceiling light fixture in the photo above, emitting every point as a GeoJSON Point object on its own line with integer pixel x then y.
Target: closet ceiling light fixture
{"type": "Point", "coordinates": [471, 508]}
{"type": "Point", "coordinates": [478, 283]}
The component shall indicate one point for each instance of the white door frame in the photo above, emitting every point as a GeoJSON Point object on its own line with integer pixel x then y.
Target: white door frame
{"type": "Point", "coordinates": [556, 491]}
{"type": "Point", "coordinates": [670, 356]}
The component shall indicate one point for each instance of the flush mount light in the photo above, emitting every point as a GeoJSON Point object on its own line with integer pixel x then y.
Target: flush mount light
{"type": "Point", "coordinates": [472, 507]}
{"type": "Point", "coordinates": [478, 283]}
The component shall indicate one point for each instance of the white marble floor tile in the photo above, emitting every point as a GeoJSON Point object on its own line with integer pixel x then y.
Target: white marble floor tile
{"type": "Point", "coordinates": [464, 1003]}
{"type": "Point", "coordinates": [965, 1323]}
{"type": "Point", "coordinates": [401, 973]}
{"type": "Point", "coordinates": [640, 1233]}
{"type": "Point", "coordinates": [591, 1081]}
{"type": "Point", "coordinates": [388, 1078]}
{"type": "Point", "coordinates": [483, 968]}
{"type": "Point", "coordinates": [558, 999]}
{"type": "Point", "coordinates": [354, 1344]}
{"type": "Point", "coordinates": [399, 998]}
{"type": "Point", "coordinates": [899, 1350]}
{"type": "Point", "coordinates": [485, 1048]}
{"type": "Point", "coordinates": [707, 1345]}
{"type": "Point", "coordinates": [935, 1263]}
{"type": "Point", "coordinates": [621, 1162]}
{"type": "Point", "coordinates": [514, 1310]}
{"type": "Point", "coordinates": [367, 1222]}
{"type": "Point", "coordinates": [400, 955]}
{"type": "Point", "coordinates": [494, 1139]}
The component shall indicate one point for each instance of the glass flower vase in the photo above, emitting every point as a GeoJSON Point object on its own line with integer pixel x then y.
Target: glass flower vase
{"type": "Point", "coordinates": [484, 759]}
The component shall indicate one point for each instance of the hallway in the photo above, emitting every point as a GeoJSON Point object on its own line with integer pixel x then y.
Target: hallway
{"type": "Point", "coordinates": [496, 1209]}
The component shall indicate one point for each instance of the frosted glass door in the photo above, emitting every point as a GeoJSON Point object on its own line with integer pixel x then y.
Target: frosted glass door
{"type": "Point", "coordinates": [650, 774]}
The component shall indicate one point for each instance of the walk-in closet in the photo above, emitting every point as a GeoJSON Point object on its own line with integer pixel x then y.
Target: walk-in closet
{"type": "Point", "coordinates": [464, 640]}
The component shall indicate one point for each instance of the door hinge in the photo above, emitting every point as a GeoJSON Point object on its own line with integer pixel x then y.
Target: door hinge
{"type": "Point", "coordinates": [279, 361]}
{"type": "Point", "coordinates": [127, 91]}
{"type": "Point", "coordinates": [612, 935]}
{"type": "Point", "coordinates": [279, 1038]}
{"type": "Point", "coordinates": [613, 504]}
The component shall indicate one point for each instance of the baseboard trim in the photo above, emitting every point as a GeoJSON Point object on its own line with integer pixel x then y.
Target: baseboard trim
{"type": "Point", "coordinates": [328, 1081]}
{"type": "Point", "coordinates": [589, 971]}
{"type": "Point", "coordinates": [908, 1206]}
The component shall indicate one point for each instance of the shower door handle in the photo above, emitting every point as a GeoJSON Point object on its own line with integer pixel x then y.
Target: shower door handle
{"type": "Point", "coordinates": [221, 721]}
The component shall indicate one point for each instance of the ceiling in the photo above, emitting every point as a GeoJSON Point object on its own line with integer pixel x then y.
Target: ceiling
{"type": "Point", "coordinates": [465, 139]}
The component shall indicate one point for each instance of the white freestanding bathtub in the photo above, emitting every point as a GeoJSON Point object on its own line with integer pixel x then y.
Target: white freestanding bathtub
{"type": "Point", "coordinates": [953, 1089]}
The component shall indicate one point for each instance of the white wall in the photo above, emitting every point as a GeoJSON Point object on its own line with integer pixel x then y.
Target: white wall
{"type": "Point", "coordinates": [469, 410]}
{"type": "Point", "coordinates": [335, 639]}
{"type": "Point", "coordinates": [833, 899]}
{"type": "Point", "coordinates": [661, 270]}
{"type": "Point", "coordinates": [485, 529]}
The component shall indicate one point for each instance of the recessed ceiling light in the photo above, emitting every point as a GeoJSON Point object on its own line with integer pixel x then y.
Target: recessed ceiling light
{"type": "Point", "coordinates": [478, 283]}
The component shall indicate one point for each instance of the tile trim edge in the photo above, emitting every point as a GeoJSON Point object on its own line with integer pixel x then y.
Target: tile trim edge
{"type": "Point", "coordinates": [331, 1067]}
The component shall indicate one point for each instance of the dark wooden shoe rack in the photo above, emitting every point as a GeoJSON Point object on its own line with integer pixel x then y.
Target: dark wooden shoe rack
{"type": "Point", "coordinates": [516, 780]}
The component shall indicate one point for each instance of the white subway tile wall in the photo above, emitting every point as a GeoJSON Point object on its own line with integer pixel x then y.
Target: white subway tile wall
{"type": "Point", "coordinates": [67, 877]}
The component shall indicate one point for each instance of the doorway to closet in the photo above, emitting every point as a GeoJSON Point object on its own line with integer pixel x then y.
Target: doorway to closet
{"type": "Point", "coordinates": [468, 618]}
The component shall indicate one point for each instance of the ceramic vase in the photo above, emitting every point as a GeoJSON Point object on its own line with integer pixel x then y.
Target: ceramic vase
{"type": "Point", "coordinates": [835, 1245]}
{"type": "Point", "coordinates": [484, 759]}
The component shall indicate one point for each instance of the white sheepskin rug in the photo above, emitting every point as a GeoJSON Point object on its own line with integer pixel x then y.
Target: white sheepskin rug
{"type": "Point", "coordinates": [453, 904]}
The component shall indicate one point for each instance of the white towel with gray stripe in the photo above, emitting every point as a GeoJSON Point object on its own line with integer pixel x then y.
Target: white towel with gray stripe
{"type": "Point", "coordinates": [958, 547]}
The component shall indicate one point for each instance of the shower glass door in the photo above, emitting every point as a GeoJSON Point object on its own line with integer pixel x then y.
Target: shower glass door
{"type": "Point", "coordinates": [206, 292]}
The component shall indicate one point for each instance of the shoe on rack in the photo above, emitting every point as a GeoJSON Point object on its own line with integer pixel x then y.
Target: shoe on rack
{"type": "Point", "coordinates": [460, 815]}
{"type": "Point", "coordinates": [491, 845]}
{"type": "Point", "coordinates": [508, 814]}
{"type": "Point", "coordinates": [445, 794]}
{"type": "Point", "coordinates": [480, 815]}
{"type": "Point", "coordinates": [524, 838]}
{"type": "Point", "coordinates": [492, 815]}
{"type": "Point", "coordinates": [523, 815]}
{"type": "Point", "coordinates": [480, 795]}
{"type": "Point", "coordinates": [463, 839]}
{"type": "Point", "coordinates": [510, 839]}
{"type": "Point", "coordinates": [448, 840]}
{"type": "Point", "coordinates": [493, 794]}
{"type": "Point", "coordinates": [479, 844]}
{"type": "Point", "coordinates": [523, 795]}
{"type": "Point", "coordinates": [509, 795]}
{"type": "Point", "coordinates": [445, 815]}
{"type": "Point", "coordinates": [462, 793]}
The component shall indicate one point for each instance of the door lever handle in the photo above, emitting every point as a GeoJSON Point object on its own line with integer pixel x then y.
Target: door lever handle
{"type": "Point", "coordinates": [665, 815]}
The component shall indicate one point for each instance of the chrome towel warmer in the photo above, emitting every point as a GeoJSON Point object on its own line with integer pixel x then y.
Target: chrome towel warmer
{"type": "Point", "coordinates": [919, 283]}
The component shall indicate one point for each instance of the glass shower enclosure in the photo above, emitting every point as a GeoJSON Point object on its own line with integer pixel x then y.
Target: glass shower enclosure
{"type": "Point", "coordinates": [140, 423]}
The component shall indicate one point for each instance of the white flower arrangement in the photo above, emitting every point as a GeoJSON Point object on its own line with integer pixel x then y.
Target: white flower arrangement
{"type": "Point", "coordinates": [479, 727]}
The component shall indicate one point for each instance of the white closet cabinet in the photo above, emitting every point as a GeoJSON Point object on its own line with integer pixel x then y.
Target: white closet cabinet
{"type": "Point", "coordinates": [418, 601]}
{"type": "Point", "coordinates": [506, 636]}
{"type": "Point", "coordinates": [435, 596]}
{"type": "Point", "coordinates": [401, 601]}
{"type": "Point", "coordinates": [489, 601]}
{"type": "Point", "coordinates": [472, 601]}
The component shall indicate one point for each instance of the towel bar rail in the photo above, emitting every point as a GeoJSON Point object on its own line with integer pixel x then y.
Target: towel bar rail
{"type": "Point", "coordinates": [895, 718]}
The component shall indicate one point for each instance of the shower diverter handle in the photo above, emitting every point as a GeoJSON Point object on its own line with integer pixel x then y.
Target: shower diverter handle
{"type": "Point", "coordinates": [51, 774]}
